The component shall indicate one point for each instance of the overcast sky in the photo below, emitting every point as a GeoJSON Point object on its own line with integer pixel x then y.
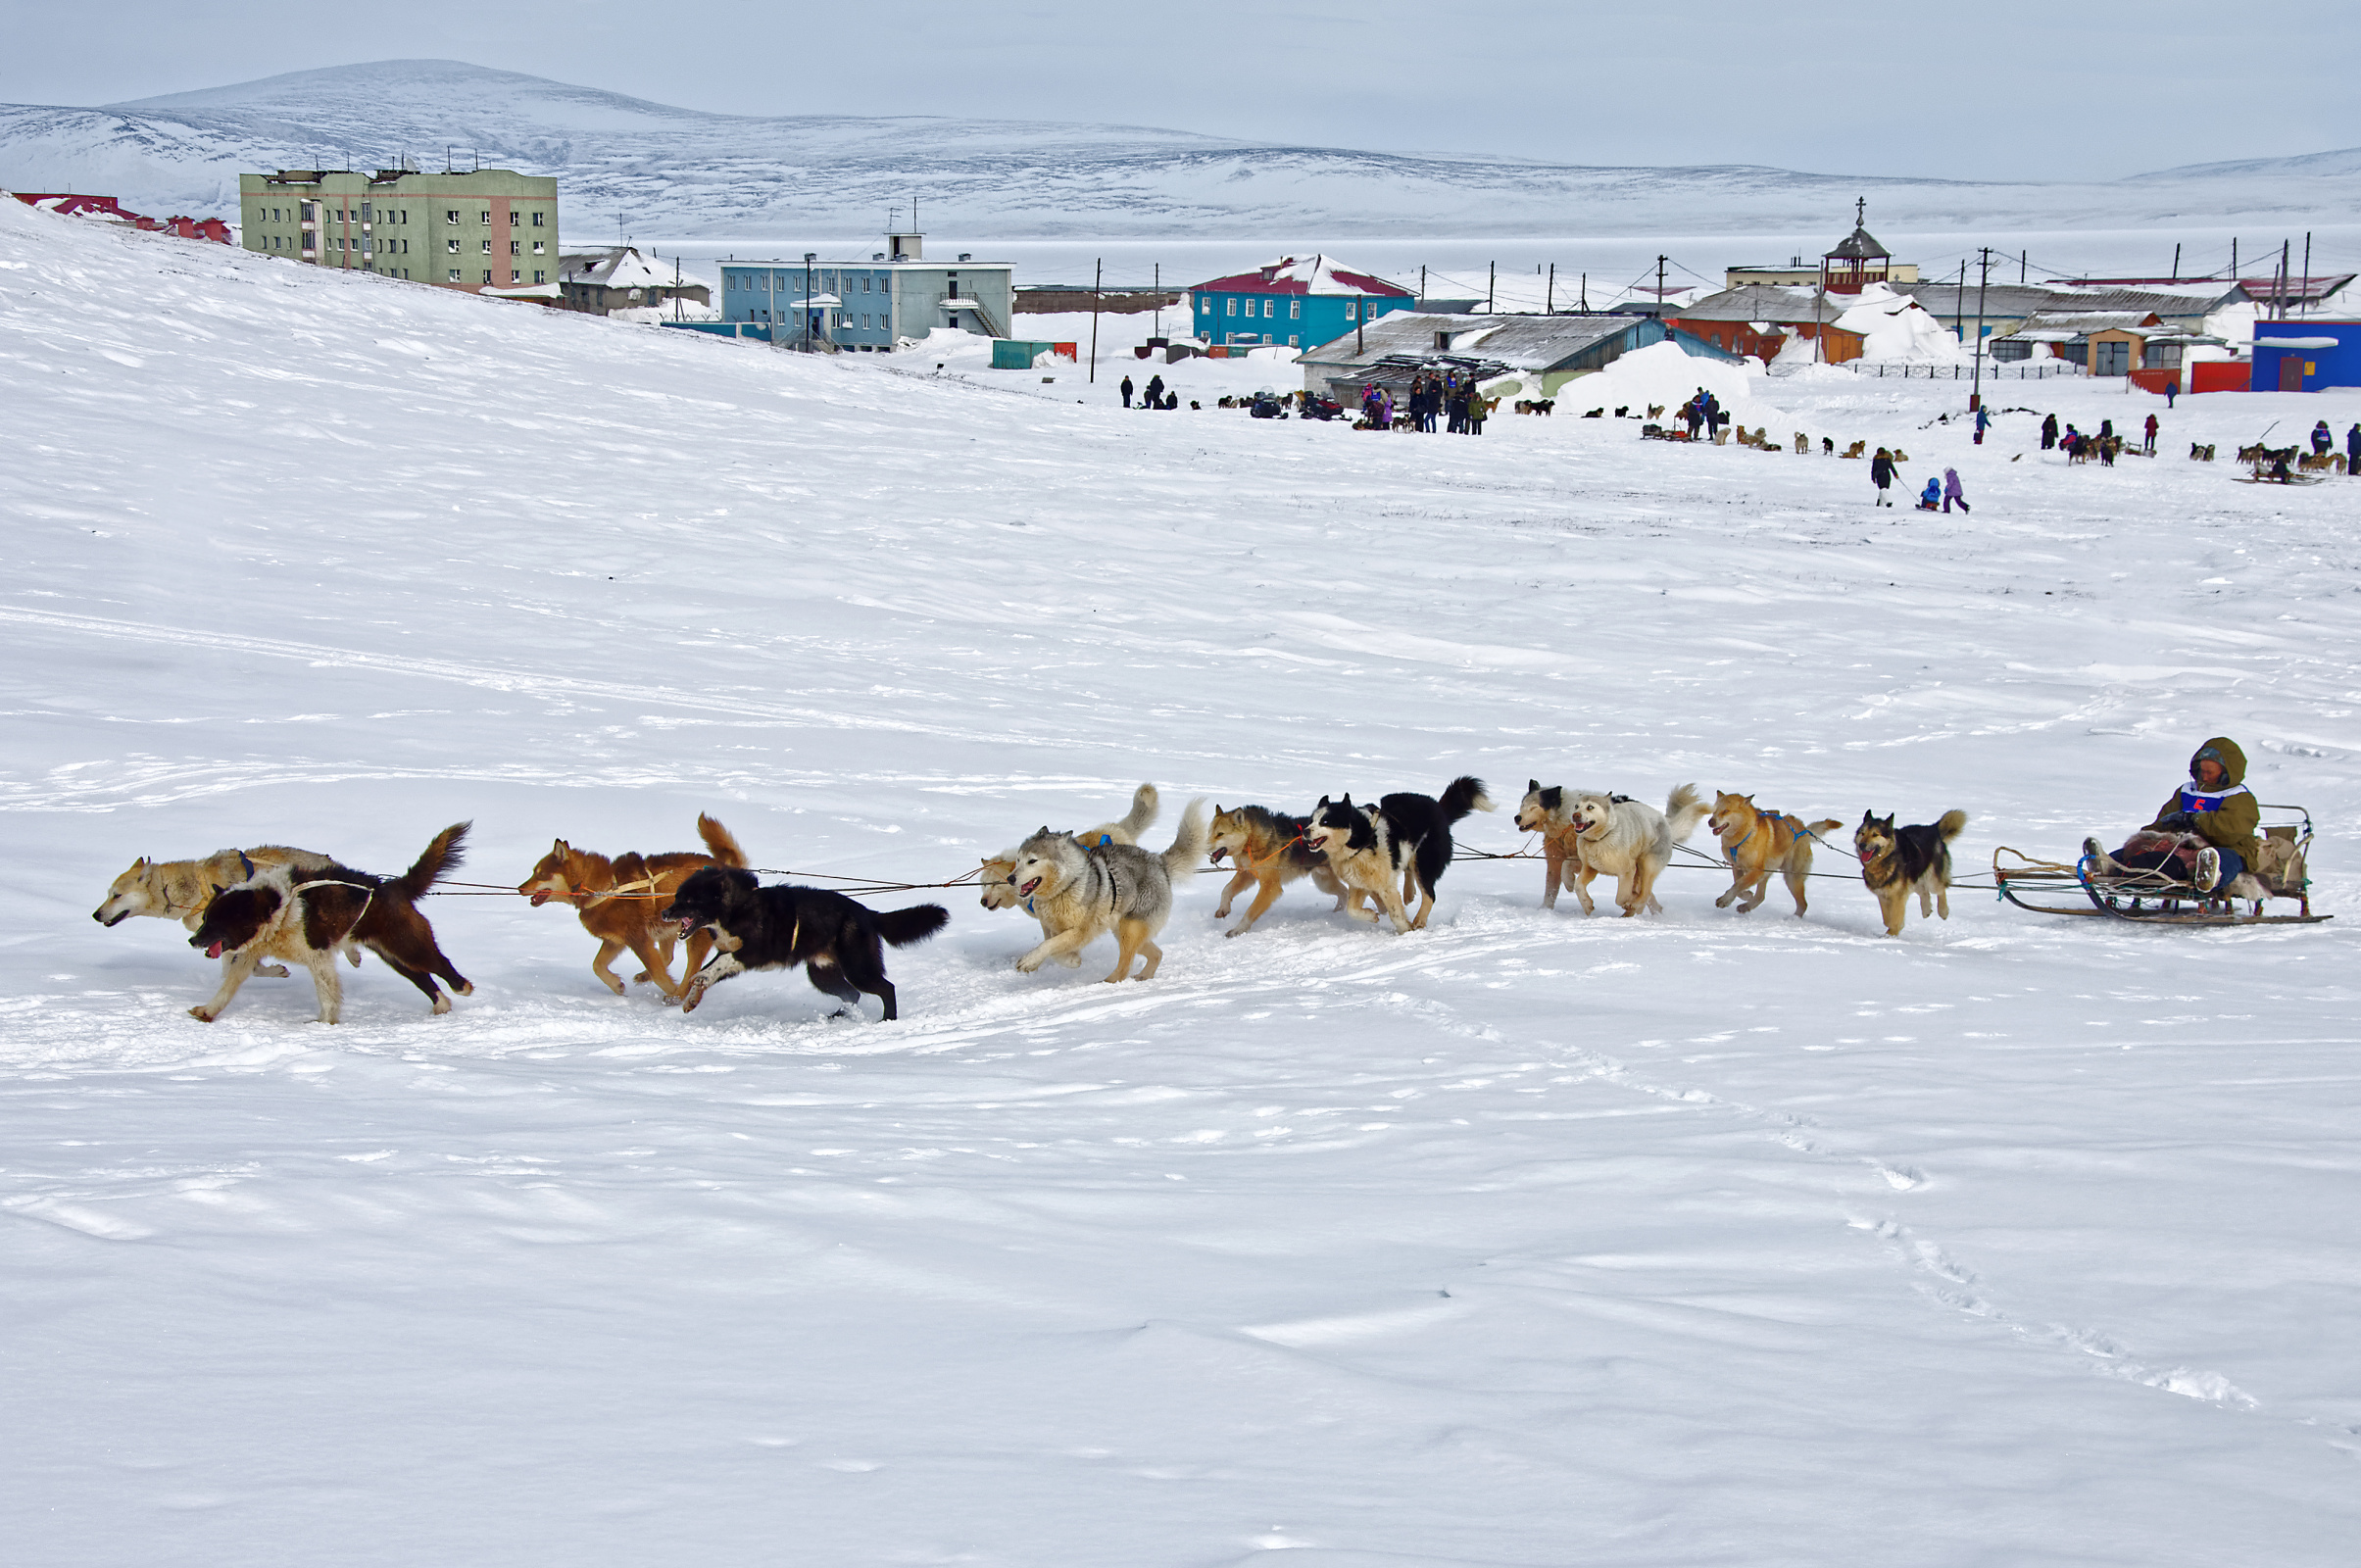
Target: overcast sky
{"type": "Point", "coordinates": [2010, 89]}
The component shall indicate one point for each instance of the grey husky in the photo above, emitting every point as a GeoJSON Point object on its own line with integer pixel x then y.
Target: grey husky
{"type": "Point", "coordinates": [1081, 893]}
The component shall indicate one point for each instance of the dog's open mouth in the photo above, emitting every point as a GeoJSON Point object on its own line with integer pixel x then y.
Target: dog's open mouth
{"type": "Point", "coordinates": [213, 949]}
{"type": "Point", "coordinates": [1216, 854]}
{"type": "Point", "coordinates": [540, 897]}
{"type": "Point", "coordinates": [688, 929]}
{"type": "Point", "coordinates": [1026, 891]}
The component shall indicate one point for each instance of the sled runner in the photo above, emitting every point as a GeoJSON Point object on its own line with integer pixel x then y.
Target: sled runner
{"type": "Point", "coordinates": [2163, 897]}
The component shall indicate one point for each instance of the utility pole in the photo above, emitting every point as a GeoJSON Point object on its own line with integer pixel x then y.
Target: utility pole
{"type": "Point", "coordinates": [1491, 282]}
{"type": "Point", "coordinates": [1159, 327]}
{"type": "Point", "coordinates": [1422, 285]}
{"type": "Point", "coordinates": [1982, 281]}
{"type": "Point", "coordinates": [1097, 276]}
{"type": "Point", "coordinates": [2306, 295]}
{"type": "Point", "coordinates": [1583, 306]}
{"type": "Point", "coordinates": [2285, 247]}
{"type": "Point", "coordinates": [1549, 292]}
{"type": "Point", "coordinates": [809, 257]}
{"type": "Point", "coordinates": [2176, 264]}
{"type": "Point", "coordinates": [1959, 304]}
{"type": "Point", "coordinates": [2021, 254]}
{"type": "Point", "coordinates": [2234, 257]}
{"type": "Point", "coordinates": [1660, 287]}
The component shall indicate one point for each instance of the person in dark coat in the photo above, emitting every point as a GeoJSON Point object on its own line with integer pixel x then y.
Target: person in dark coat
{"type": "Point", "coordinates": [1881, 474]}
{"type": "Point", "coordinates": [2352, 452]}
{"type": "Point", "coordinates": [1984, 420]}
{"type": "Point", "coordinates": [2049, 432]}
{"type": "Point", "coordinates": [2149, 446]}
{"type": "Point", "coordinates": [1156, 391]}
{"type": "Point", "coordinates": [1693, 412]}
{"type": "Point", "coordinates": [2323, 438]}
{"type": "Point", "coordinates": [1125, 389]}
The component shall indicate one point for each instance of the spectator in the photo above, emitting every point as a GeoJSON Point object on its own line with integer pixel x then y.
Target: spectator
{"type": "Point", "coordinates": [1125, 389]}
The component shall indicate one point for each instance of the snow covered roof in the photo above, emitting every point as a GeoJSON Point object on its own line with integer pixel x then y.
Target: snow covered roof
{"type": "Point", "coordinates": [1305, 274]}
{"type": "Point", "coordinates": [2061, 326]}
{"type": "Point", "coordinates": [2017, 300]}
{"type": "Point", "coordinates": [1519, 342]}
{"type": "Point", "coordinates": [615, 267]}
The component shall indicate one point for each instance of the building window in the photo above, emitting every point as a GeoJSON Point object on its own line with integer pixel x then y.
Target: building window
{"type": "Point", "coordinates": [487, 277]}
{"type": "Point", "coordinates": [540, 277]}
{"type": "Point", "coordinates": [1295, 312]}
{"type": "Point", "coordinates": [1233, 307]}
{"type": "Point", "coordinates": [1348, 310]}
{"type": "Point", "coordinates": [1267, 306]}
{"type": "Point", "coordinates": [452, 216]}
{"type": "Point", "coordinates": [536, 247]}
{"type": "Point", "coordinates": [516, 247]}
{"type": "Point", "coordinates": [516, 218]}
{"type": "Point", "coordinates": [487, 247]}
{"type": "Point", "coordinates": [512, 274]}
{"type": "Point", "coordinates": [1292, 341]}
{"type": "Point", "coordinates": [452, 246]}
{"type": "Point", "coordinates": [2160, 355]}
{"type": "Point", "coordinates": [537, 216]}
{"type": "Point", "coordinates": [488, 217]}
{"type": "Point", "coordinates": [310, 211]}
{"type": "Point", "coordinates": [455, 275]}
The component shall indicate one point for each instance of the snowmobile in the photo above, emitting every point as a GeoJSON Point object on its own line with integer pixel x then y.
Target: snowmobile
{"type": "Point", "coordinates": [2164, 897]}
{"type": "Point", "coordinates": [1267, 406]}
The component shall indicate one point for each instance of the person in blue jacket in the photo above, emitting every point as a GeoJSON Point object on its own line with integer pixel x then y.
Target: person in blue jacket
{"type": "Point", "coordinates": [1984, 420]}
{"type": "Point", "coordinates": [1931, 498]}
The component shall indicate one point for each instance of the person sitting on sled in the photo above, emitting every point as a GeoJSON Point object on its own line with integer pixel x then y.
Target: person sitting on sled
{"type": "Point", "coordinates": [1931, 498]}
{"type": "Point", "coordinates": [2204, 834]}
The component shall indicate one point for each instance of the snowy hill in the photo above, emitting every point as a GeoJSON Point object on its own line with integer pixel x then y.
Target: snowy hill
{"type": "Point", "coordinates": [681, 172]}
{"type": "Point", "coordinates": [1697, 1239]}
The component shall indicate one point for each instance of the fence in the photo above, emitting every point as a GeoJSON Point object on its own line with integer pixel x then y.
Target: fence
{"type": "Point", "coordinates": [2036, 371]}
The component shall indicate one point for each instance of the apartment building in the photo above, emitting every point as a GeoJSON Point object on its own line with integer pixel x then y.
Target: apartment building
{"type": "Point", "coordinates": [486, 229]}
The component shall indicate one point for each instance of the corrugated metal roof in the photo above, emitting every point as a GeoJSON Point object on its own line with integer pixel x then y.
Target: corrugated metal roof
{"type": "Point", "coordinates": [1859, 246]}
{"type": "Point", "coordinates": [1760, 302]}
{"type": "Point", "coordinates": [2016, 300]}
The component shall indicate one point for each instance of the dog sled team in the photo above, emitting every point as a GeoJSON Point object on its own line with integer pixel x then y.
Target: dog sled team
{"type": "Point", "coordinates": [261, 909]}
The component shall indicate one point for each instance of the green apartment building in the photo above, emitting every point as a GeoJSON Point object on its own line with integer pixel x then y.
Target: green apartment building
{"type": "Point", "coordinates": [486, 228]}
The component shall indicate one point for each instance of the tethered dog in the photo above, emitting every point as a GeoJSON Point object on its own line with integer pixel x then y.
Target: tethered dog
{"type": "Point", "coordinates": [839, 942]}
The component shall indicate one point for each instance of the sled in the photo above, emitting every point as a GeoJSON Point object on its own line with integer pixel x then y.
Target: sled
{"type": "Point", "coordinates": [2160, 897]}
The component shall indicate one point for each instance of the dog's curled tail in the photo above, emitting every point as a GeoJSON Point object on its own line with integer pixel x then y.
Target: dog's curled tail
{"type": "Point", "coordinates": [1683, 811]}
{"type": "Point", "coordinates": [439, 858]}
{"type": "Point", "coordinates": [1949, 824]}
{"type": "Point", "coordinates": [719, 842]}
{"type": "Point", "coordinates": [902, 927]}
{"type": "Point", "coordinates": [1463, 795]}
{"type": "Point", "coordinates": [1145, 803]}
{"type": "Point", "coordinates": [1189, 845]}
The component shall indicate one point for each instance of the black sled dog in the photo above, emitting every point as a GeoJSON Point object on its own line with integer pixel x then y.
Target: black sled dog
{"type": "Point", "coordinates": [1411, 836]}
{"type": "Point", "coordinates": [840, 944]}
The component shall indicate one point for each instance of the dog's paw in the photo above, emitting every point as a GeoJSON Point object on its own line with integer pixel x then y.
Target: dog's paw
{"type": "Point", "coordinates": [442, 1005]}
{"type": "Point", "coordinates": [1237, 931]}
{"type": "Point", "coordinates": [203, 1014]}
{"type": "Point", "coordinates": [613, 984]}
{"type": "Point", "coordinates": [1027, 964]}
{"type": "Point", "coordinates": [690, 997]}
{"type": "Point", "coordinates": [639, 979]}
{"type": "Point", "coordinates": [272, 971]}
{"type": "Point", "coordinates": [466, 988]}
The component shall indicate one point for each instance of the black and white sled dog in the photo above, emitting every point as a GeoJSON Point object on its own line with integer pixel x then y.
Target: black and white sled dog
{"type": "Point", "coordinates": [1404, 839]}
{"type": "Point", "coordinates": [840, 944]}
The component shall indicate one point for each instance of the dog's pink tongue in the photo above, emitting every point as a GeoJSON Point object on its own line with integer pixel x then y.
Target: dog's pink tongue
{"type": "Point", "coordinates": [214, 951]}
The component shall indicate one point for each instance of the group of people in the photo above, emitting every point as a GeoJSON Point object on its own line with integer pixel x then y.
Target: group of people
{"type": "Point", "coordinates": [1155, 397]}
{"type": "Point", "coordinates": [1450, 395]}
{"type": "Point", "coordinates": [1704, 410]}
{"type": "Point", "coordinates": [2324, 442]}
{"type": "Point", "coordinates": [2079, 445]}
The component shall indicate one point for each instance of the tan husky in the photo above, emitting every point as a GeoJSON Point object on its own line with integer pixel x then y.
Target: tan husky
{"type": "Point", "coordinates": [1632, 842]}
{"type": "Point", "coordinates": [1758, 843]}
{"type": "Point", "coordinates": [1093, 890]}
{"type": "Point", "coordinates": [1269, 849]}
{"type": "Point", "coordinates": [179, 890]}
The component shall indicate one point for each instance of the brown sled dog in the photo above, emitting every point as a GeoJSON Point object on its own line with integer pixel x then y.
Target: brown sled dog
{"type": "Point", "coordinates": [618, 899]}
{"type": "Point", "coordinates": [304, 917]}
{"type": "Point", "coordinates": [1269, 849]}
{"type": "Point", "coordinates": [1758, 843]}
{"type": "Point", "coordinates": [1898, 862]}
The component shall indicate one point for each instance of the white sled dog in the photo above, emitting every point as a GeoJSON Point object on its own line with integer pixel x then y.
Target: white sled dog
{"type": "Point", "coordinates": [1087, 892]}
{"type": "Point", "coordinates": [1617, 836]}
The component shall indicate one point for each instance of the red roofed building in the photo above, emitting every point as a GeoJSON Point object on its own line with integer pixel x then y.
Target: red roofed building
{"type": "Point", "coordinates": [107, 207]}
{"type": "Point", "coordinates": [1296, 301]}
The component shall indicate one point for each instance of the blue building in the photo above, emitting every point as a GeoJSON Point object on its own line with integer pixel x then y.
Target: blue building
{"type": "Point", "coordinates": [2304, 356]}
{"type": "Point", "coordinates": [1292, 302]}
{"type": "Point", "coordinates": [865, 306]}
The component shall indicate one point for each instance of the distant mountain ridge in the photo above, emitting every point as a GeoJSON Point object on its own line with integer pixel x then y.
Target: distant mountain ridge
{"type": "Point", "coordinates": [688, 172]}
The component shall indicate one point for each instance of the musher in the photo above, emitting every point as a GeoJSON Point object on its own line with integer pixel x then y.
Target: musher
{"type": "Point", "coordinates": [2213, 813]}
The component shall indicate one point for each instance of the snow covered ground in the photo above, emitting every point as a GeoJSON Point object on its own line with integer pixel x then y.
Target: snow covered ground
{"type": "Point", "coordinates": [1526, 1239]}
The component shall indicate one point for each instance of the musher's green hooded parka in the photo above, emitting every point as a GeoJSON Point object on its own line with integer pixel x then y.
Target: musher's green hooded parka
{"type": "Point", "coordinates": [2227, 815]}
